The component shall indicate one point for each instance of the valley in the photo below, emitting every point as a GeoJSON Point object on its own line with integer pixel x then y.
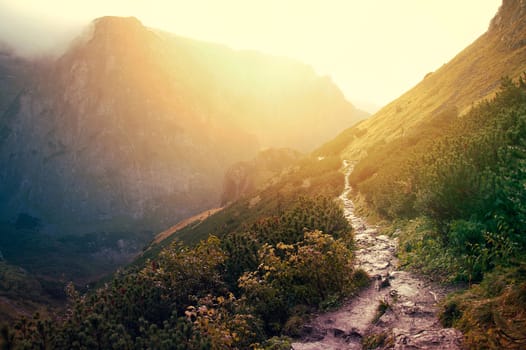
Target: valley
{"type": "Point", "coordinates": [162, 192]}
{"type": "Point", "coordinates": [131, 130]}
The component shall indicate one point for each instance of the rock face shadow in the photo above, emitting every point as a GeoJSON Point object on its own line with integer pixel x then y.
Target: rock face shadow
{"type": "Point", "coordinates": [398, 309]}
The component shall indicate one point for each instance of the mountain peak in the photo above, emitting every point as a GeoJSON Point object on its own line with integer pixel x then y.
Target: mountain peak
{"type": "Point", "coordinates": [510, 23]}
{"type": "Point", "coordinates": [124, 37]}
{"type": "Point", "coordinates": [117, 30]}
{"type": "Point", "coordinates": [115, 23]}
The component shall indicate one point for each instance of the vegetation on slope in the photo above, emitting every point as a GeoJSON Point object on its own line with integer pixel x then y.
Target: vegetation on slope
{"type": "Point", "coordinates": [131, 130]}
{"type": "Point", "coordinates": [465, 182]}
{"type": "Point", "coordinates": [241, 291]}
{"type": "Point", "coordinates": [309, 177]}
{"type": "Point", "coordinates": [471, 76]}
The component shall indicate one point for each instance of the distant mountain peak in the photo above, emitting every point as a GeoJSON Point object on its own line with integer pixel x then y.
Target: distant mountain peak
{"type": "Point", "coordinates": [111, 32]}
{"type": "Point", "coordinates": [117, 24]}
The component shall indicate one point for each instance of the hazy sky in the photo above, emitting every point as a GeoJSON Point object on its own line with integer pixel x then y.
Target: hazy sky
{"type": "Point", "coordinates": [373, 49]}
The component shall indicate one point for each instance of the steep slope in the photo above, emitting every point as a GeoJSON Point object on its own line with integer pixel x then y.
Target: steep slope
{"type": "Point", "coordinates": [450, 173]}
{"type": "Point", "coordinates": [417, 116]}
{"type": "Point", "coordinates": [434, 114]}
{"type": "Point", "coordinates": [474, 74]}
{"type": "Point", "coordinates": [99, 140]}
{"type": "Point", "coordinates": [245, 177]}
{"type": "Point", "coordinates": [308, 177]}
{"type": "Point", "coordinates": [241, 180]}
{"type": "Point", "coordinates": [133, 127]}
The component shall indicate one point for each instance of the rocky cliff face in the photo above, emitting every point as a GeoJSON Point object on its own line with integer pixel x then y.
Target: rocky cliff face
{"type": "Point", "coordinates": [245, 177]}
{"type": "Point", "coordinates": [133, 128]}
{"type": "Point", "coordinates": [93, 143]}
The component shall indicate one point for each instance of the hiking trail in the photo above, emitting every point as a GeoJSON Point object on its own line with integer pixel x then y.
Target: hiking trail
{"type": "Point", "coordinates": [409, 303]}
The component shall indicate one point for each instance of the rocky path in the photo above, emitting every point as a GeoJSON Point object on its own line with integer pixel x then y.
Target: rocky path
{"type": "Point", "coordinates": [407, 319]}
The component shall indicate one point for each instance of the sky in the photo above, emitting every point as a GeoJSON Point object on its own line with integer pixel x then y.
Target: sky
{"type": "Point", "coordinates": [374, 50]}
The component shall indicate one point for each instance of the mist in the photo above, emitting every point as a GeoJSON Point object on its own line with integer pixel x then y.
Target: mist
{"type": "Point", "coordinates": [31, 37]}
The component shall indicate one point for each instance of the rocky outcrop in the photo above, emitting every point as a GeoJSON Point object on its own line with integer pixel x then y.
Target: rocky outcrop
{"type": "Point", "coordinates": [133, 128]}
{"type": "Point", "coordinates": [245, 177]}
{"type": "Point", "coordinates": [510, 24]}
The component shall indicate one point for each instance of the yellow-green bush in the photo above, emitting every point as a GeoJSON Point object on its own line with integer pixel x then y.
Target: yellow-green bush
{"type": "Point", "coordinates": [308, 272]}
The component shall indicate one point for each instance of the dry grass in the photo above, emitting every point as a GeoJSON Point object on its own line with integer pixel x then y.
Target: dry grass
{"type": "Point", "coordinates": [491, 315]}
{"type": "Point", "coordinates": [473, 75]}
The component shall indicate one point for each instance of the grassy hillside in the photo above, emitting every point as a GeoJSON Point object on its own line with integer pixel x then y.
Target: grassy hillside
{"type": "Point", "coordinates": [463, 192]}
{"type": "Point", "coordinates": [445, 162]}
{"type": "Point", "coordinates": [473, 75]}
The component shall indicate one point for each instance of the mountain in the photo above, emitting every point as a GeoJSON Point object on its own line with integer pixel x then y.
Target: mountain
{"type": "Point", "coordinates": [417, 116]}
{"type": "Point", "coordinates": [245, 177]}
{"type": "Point", "coordinates": [458, 165]}
{"type": "Point", "coordinates": [442, 169]}
{"type": "Point", "coordinates": [128, 132]}
{"type": "Point", "coordinates": [134, 128]}
{"type": "Point", "coordinates": [241, 180]}
{"type": "Point", "coordinates": [471, 76]}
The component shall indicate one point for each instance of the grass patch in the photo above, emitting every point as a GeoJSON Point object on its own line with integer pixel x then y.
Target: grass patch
{"type": "Point", "coordinates": [382, 308]}
{"type": "Point", "coordinates": [419, 247]}
{"type": "Point", "coordinates": [492, 314]}
{"type": "Point", "coordinates": [377, 340]}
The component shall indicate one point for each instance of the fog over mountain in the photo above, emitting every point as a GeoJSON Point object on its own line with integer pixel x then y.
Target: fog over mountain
{"type": "Point", "coordinates": [133, 128]}
{"type": "Point", "coordinates": [33, 36]}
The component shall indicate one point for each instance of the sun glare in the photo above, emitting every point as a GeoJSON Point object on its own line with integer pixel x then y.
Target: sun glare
{"type": "Point", "coordinates": [374, 50]}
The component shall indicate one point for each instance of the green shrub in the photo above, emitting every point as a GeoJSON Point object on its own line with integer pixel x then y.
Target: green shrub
{"type": "Point", "coordinates": [309, 272]}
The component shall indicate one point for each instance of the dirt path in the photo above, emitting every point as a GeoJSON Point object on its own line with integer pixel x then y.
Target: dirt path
{"type": "Point", "coordinates": [408, 321]}
{"type": "Point", "coordinates": [182, 224]}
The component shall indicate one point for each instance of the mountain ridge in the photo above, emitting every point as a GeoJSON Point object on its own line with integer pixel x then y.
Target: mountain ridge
{"type": "Point", "coordinates": [131, 130]}
{"type": "Point", "coordinates": [449, 184]}
{"type": "Point", "coordinates": [139, 104]}
{"type": "Point", "coordinates": [434, 102]}
{"type": "Point", "coordinates": [471, 76]}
